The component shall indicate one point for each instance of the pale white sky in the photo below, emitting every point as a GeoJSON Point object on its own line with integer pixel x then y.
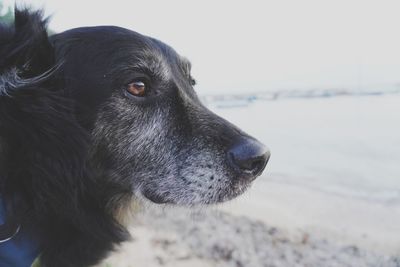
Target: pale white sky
{"type": "Point", "coordinates": [260, 45]}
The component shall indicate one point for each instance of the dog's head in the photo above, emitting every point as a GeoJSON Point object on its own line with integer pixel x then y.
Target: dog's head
{"type": "Point", "coordinates": [92, 117]}
{"type": "Point", "coordinates": [150, 134]}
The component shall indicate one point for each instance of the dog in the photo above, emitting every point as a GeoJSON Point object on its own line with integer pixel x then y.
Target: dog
{"type": "Point", "coordinates": [92, 119]}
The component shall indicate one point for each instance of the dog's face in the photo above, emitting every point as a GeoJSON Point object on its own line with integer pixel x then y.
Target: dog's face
{"type": "Point", "coordinates": [151, 135]}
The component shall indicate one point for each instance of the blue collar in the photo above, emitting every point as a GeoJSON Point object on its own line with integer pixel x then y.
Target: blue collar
{"type": "Point", "coordinates": [19, 249]}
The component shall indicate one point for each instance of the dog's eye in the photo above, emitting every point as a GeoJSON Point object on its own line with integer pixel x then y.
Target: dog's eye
{"type": "Point", "coordinates": [136, 88]}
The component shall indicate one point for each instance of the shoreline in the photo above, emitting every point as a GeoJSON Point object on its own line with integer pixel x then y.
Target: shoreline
{"type": "Point", "coordinates": [345, 220]}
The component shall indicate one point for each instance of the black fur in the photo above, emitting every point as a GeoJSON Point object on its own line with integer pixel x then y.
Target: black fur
{"type": "Point", "coordinates": [75, 146]}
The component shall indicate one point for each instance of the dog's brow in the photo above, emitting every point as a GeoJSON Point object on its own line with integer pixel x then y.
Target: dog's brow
{"type": "Point", "coordinates": [153, 62]}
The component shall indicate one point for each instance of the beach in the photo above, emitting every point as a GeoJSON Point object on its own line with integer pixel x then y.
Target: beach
{"type": "Point", "coordinates": [330, 195]}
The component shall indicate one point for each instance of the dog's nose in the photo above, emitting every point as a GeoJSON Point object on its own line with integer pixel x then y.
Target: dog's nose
{"type": "Point", "coordinates": [248, 157]}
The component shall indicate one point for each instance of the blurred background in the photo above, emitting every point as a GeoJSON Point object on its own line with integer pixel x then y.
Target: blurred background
{"type": "Point", "coordinates": [319, 83]}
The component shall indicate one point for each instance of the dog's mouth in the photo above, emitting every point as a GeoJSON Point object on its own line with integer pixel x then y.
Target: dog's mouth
{"type": "Point", "coordinates": [157, 198]}
{"type": "Point", "coordinates": [211, 181]}
{"type": "Point", "coordinates": [191, 197]}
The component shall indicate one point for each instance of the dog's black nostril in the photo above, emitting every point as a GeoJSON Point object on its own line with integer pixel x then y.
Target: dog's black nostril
{"type": "Point", "coordinates": [248, 157]}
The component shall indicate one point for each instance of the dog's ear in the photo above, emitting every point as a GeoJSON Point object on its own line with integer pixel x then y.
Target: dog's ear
{"type": "Point", "coordinates": [26, 58]}
{"type": "Point", "coordinates": [43, 147]}
{"type": "Point", "coordinates": [44, 151]}
{"type": "Point", "coordinates": [25, 44]}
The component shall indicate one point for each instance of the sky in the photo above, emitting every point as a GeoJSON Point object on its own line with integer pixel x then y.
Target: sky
{"type": "Point", "coordinates": [251, 46]}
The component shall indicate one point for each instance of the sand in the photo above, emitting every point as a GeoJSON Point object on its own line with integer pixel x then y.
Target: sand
{"type": "Point", "coordinates": [369, 225]}
{"type": "Point", "coordinates": [212, 238]}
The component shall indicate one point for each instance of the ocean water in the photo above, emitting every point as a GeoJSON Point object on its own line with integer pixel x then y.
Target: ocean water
{"type": "Point", "coordinates": [344, 144]}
